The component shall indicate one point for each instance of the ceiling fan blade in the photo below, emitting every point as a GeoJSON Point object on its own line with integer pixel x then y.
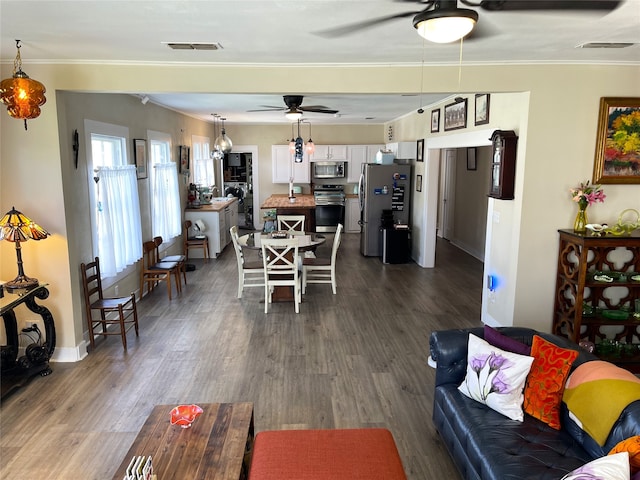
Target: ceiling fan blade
{"type": "Point", "coordinates": [354, 27]}
{"type": "Point", "coordinates": [267, 108]}
{"type": "Point", "coordinates": [318, 109]}
{"type": "Point", "coordinates": [515, 5]}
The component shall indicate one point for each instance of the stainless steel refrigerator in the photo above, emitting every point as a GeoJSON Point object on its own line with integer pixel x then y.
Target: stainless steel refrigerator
{"type": "Point", "coordinates": [382, 187]}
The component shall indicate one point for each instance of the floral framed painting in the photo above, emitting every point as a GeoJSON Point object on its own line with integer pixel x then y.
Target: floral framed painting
{"type": "Point", "coordinates": [184, 159]}
{"type": "Point", "coordinates": [455, 115]}
{"type": "Point", "coordinates": [617, 158]}
{"type": "Point", "coordinates": [482, 109]}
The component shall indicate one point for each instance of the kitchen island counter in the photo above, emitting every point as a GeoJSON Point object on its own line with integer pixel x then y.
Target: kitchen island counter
{"type": "Point", "coordinates": [304, 205]}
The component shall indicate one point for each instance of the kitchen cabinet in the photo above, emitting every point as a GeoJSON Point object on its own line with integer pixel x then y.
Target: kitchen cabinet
{"type": "Point", "coordinates": [403, 150]}
{"type": "Point", "coordinates": [283, 166]}
{"type": "Point", "coordinates": [352, 215]}
{"type": "Point", "coordinates": [322, 153]}
{"type": "Point", "coordinates": [218, 218]}
{"type": "Point", "coordinates": [585, 300]}
{"type": "Point", "coordinates": [357, 155]}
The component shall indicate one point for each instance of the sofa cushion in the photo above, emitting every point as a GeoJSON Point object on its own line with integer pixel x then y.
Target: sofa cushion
{"type": "Point", "coordinates": [486, 445]}
{"type": "Point", "coordinates": [613, 467]}
{"type": "Point", "coordinates": [545, 383]}
{"type": "Point", "coordinates": [495, 377]}
{"type": "Point", "coordinates": [494, 337]}
{"type": "Point", "coordinates": [632, 446]}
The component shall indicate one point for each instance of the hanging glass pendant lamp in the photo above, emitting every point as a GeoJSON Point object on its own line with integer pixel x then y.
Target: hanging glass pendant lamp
{"type": "Point", "coordinates": [216, 153]}
{"type": "Point", "coordinates": [223, 142]}
{"type": "Point", "coordinates": [21, 94]}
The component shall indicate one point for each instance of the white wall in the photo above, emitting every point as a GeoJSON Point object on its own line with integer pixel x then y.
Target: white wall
{"type": "Point", "coordinates": [557, 141]}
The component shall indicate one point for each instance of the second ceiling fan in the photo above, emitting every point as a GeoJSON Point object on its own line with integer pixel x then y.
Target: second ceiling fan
{"type": "Point", "coordinates": [294, 108]}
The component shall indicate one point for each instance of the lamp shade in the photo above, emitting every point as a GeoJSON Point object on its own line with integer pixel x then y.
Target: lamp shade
{"type": "Point", "coordinates": [293, 114]}
{"type": "Point", "coordinates": [22, 95]}
{"type": "Point", "coordinates": [15, 226]}
{"type": "Point", "coordinates": [445, 25]}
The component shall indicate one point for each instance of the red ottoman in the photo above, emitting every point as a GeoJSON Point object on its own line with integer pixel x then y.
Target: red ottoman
{"type": "Point", "coordinates": [358, 454]}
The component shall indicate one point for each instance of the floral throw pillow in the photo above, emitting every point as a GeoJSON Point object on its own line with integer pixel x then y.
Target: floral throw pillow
{"type": "Point", "coordinates": [632, 446]}
{"type": "Point", "coordinates": [496, 377]}
{"type": "Point", "coordinates": [545, 384]}
{"type": "Point", "coordinates": [612, 467]}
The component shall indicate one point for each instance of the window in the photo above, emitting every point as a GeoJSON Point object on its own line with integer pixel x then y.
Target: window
{"type": "Point", "coordinates": [165, 195]}
{"type": "Point", "coordinates": [202, 162]}
{"type": "Point", "coordinates": [115, 208]}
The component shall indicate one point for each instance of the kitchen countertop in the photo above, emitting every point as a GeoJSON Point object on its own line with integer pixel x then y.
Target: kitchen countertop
{"type": "Point", "coordinates": [281, 200]}
{"type": "Point", "coordinates": [214, 206]}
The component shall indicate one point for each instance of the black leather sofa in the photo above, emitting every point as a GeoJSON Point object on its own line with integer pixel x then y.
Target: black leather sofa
{"type": "Point", "coordinates": [486, 445]}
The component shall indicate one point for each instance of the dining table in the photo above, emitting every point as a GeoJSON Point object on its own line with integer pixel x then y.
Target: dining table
{"type": "Point", "coordinates": [307, 242]}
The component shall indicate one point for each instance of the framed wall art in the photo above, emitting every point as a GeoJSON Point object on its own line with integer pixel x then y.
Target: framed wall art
{"type": "Point", "coordinates": [617, 158]}
{"type": "Point", "coordinates": [140, 156]}
{"type": "Point", "coordinates": [418, 183]}
{"type": "Point", "coordinates": [435, 120]}
{"type": "Point", "coordinates": [455, 115]}
{"type": "Point", "coordinates": [420, 150]}
{"type": "Point", "coordinates": [482, 109]}
{"type": "Point", "coordinates": [184, 159]}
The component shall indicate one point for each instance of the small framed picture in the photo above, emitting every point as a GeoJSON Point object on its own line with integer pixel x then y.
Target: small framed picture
{"type": "Point", "coordinates": [435, 120]}
{"type": "Point", "coordinates": [420, 150]}
{"type": "Point", "coordinates": [455, 115]}
{"type": "Point", "coordinates": [418, 183]}
{"type": "Point", "coordinates": [140, 155]}
{"type": "Point", "coordinates": [471, 159]}
{"type": "Point", "coordinates": [482, 109]}
{"type": "Point", "coordinates": [184, 159]}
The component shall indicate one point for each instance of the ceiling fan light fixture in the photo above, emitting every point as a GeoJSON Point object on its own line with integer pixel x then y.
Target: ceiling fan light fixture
{"type": "Point", "coordinates": [293, 114]}
{"type": "Point", "coordinates": [445, 25]}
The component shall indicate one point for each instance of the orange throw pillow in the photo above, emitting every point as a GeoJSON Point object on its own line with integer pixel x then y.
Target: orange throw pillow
{"type": "Point", "coordinates": [631, 445]}
{"type": "Point", "coordinates": [545, 383]}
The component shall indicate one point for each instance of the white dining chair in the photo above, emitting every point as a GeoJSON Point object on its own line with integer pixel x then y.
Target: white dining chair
{"type": "Point", "coordinates": [250, 273]}
{"type": "Point", "coordinates": [280, 259]}
{"type": "Point", "coordinates": [322, 270]}
{"type": "Point", "coordinates": [291, 222]}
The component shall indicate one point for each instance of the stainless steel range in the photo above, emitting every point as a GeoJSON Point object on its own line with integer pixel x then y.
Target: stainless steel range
{"type": "Point", "coordinates": [329, 207]}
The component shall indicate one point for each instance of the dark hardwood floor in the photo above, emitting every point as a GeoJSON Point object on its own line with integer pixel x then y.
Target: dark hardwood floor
{"type": "Point", "coordinates": [355, 359]}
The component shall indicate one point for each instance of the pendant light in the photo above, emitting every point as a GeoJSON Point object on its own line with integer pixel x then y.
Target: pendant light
{"type": "Point", "coordinates": [310, 146]}
{"type": "Point", "coordinates": [223, 142]}
{"type": "Point", "coordinates": [216, 153]}
{"type": "Point", "coordinates": [292, 142]}
{"type": "Point", "coordinates": [21, 94]}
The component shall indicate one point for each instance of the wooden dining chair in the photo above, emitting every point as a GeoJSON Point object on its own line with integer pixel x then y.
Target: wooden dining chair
{"type": "Point", "coordinates": [181, 259]}
{"type": "Point", "coordinates": [250, 273]}
{"type": "Point", "coordinates": [118, 311]}
{"type": "Point", "coordinates": [291, 222]}
{"type": "Point", "coordinates": [194, 242]}
{"type": "Point", "coordinates": [280, 260]}
{"type": "Point", "coordinates": [154, 271]}
{"type": "Point", "coordinates": [322, 270]}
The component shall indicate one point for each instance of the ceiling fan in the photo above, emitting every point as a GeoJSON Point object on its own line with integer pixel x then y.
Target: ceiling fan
{"type": "Point", "coordinates": [294, 108]}
{"type": "Point", "coordinates": [441, 21]}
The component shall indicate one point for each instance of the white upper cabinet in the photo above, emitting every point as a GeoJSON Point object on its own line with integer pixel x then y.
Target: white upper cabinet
{"type": "Point", "coordinates": [403, 150]}
{"type": "Point", "coordinates": [359, 154]}
{"type": "Point", "coordinates": [323, 153]}
{"type": "Point", "coordinates": [283, 166]}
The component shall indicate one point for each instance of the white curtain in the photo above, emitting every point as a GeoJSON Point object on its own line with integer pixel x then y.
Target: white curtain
{"type": "Point", "coordinates": [119, 232]}
{"type": "Point", "coordinates": [166, 201]}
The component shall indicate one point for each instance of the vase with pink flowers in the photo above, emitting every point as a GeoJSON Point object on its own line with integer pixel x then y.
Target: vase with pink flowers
{"type": "Point", "coordinates": [584, 195]}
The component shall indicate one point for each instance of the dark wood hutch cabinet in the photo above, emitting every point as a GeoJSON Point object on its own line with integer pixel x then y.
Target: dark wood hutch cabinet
{"type": "Point", "coordinates": [581, 299]}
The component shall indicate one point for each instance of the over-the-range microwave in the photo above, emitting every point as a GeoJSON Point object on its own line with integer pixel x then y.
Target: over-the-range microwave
{"type": "Point", "coordinates": [328, 169]}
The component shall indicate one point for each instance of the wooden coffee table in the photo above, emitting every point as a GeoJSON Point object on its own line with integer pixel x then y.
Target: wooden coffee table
{"type": "Point", "coordinates": [218, 445]}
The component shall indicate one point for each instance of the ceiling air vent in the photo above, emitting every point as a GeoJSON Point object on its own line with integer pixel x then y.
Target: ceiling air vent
{"type": "Point", "coordinates": [604, 45]}
{"type": "Point", "coordinates": [193, 46]}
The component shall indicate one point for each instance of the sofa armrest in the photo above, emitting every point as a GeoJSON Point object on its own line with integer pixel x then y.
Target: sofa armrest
{"type": "Point", "coordinates": [448, 349]}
